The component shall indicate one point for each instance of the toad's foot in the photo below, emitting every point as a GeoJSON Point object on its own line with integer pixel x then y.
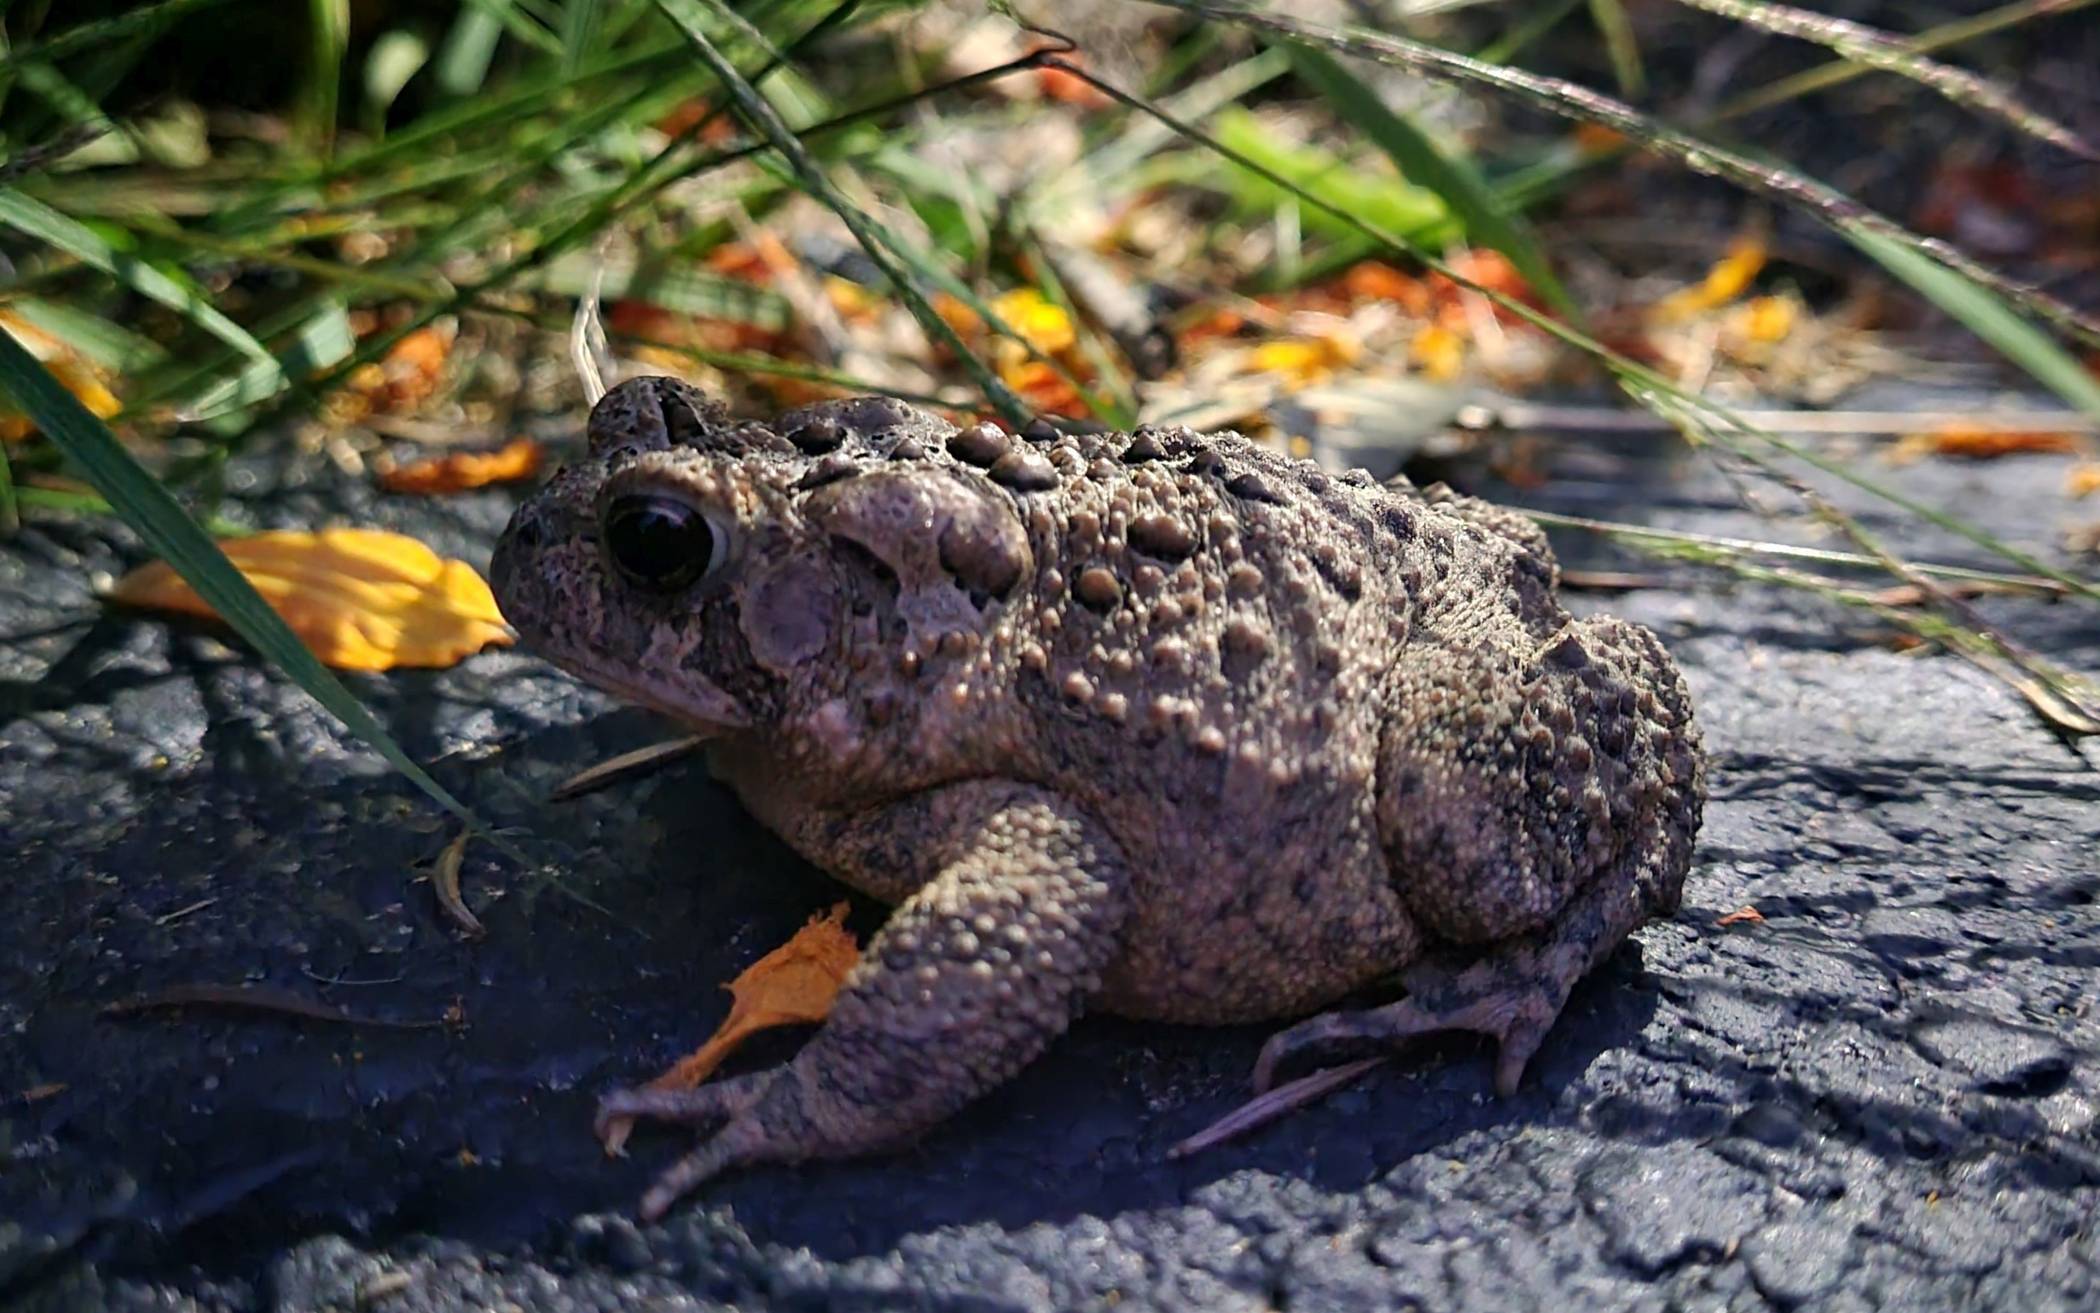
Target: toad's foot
{"type": "Point", "coordinates": [973, 977]}
{"type": "Point", "coordinates": [1512, 991]}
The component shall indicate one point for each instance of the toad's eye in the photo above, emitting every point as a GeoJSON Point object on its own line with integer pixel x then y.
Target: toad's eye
{"type": "Point", "coordinates": [659, 542]}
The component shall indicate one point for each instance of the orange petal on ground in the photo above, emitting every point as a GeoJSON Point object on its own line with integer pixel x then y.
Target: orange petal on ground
{"type": "Point", "coordinates": [362, 599]}
{"type": "Point", "coordinates": [792, 985]}
{"type": "Point", "coordinates": [460, 470]}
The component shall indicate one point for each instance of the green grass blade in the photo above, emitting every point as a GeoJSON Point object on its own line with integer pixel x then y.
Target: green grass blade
{"type": "Point", "coordinates": [1879, 50]}
{"type": "Point", "coordinates": [760, 116]}
{"type": "Point", "coordinates": [580, 21]}
{"type": "Point", "coordinates": [1985, 315]}
{"type": "Point", "coordinates": [327, 40]}
{"type": "Point", "coordinates": [1610, 18]}
{"type": "Point", "coordinates": [463, 61]}
{"type": "Point", "coordinates": [103, 31]}
{"type": "Point", "coordinates": [323, 340]}
{"type": "Point", "coordinates": [10, 513]}
{"type": "Point", "coordinates": [35, 219]}
{"type": "Point", "coordinates": [1827, 204]}
{"type": "Point", "coordinates": [1420, 161]}
{"type": "Point", "coordinates": [169, 531]}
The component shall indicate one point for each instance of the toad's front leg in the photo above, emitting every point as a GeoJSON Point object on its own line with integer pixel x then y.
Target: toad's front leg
{"type": "Point", "coordinates": [972, 977]}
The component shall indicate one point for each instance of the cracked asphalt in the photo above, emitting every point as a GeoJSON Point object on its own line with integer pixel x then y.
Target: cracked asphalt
{"type": "Point", "coordinates": [1884, 1094]}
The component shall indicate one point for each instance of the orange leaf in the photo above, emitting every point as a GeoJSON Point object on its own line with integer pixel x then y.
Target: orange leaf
{"type": "Point", "coordinates": [362, 599]}
{"type": "Point", "coordinates": [792, 985]}
{"type": "Point", "coordinates": [1304, 360]}
{"type": "Point", "coordinates": [1972, 443]}
{"type": "Point", "coordinates": [1440, 352]}
{"type": "Point", "coordinates": [73, 370]}
{"type": "Point", "coordinates": [1730, 276]}
{"type": "Point", "coordinates": [460, 470]}
{"type": "Point", "coordinates": [1745, 914]}
{"type": "Point", "coordinates": [2084, 479]}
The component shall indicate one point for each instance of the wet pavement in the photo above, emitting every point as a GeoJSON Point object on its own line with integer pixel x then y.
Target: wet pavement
{"type": "Point", "coordinates": [1884, 1094]}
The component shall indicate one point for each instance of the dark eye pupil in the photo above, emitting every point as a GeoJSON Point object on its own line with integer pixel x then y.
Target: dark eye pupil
{"type": "Point", "coordinates": [658, 542]}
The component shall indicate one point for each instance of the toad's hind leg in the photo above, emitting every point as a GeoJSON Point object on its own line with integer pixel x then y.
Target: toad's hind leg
{"type": "Point", "coordinates": [1536, 804]}
{"type": "Point", "coordinates": [1514, 991]}
{"type": "Point", "coordinates": [972, 977]}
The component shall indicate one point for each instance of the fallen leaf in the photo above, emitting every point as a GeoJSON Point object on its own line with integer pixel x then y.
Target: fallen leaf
{"type": "Point", "coordinates": [1041, 322]}
{"type": "Point", "coordinates": [38, 1093]}
{"type": "Point", "coordinates": [459, 471]}
{"type": "Point", "coordinates": [2084, 479]}
{"type": "Point", "coordinates": [1729, 278]}
{"type": "Point", "coordinates": [402, 379]}
{"type": "Point", "coordinates": [1438, 352]}
{"type": "Point", "coordinates": [363, 599]}
{"type": "Point", "coordinates": [1305, 360]}
{"type": "Point", "coordinates": [792, 985]}
{"type": "Point", "coordinates": [74, 371]}
{"type": "Point", "coordinates": [1492, 270]}
{"type": "Point", "coordinates": [1973, 443]}
{"type": "Point", "coordinates": [1742, 915]}
{"type": "Point", "coordinates": [1375, 280]}
{"type": "Point", "coordinates": [1766, 318]}
{"type": "Point", "coordinates": [1069, 88]}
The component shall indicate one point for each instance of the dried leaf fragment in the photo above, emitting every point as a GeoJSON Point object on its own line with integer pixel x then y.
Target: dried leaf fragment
{"type": "Point", "coordinates": [459, 471]}
{"type": "Point", "coordinates": [1745, 914]}
{"type": "Point", "coordinates": [363, 599]}
{"type": "Point", "coordinates": [792, 985]}
{"type": "Point", "coordinates": [2084, 479]}
{"type": "Point", "coordinates": [1729, 278]}
{"type": "Point", "coordinates": [1971, 442]}
{"type": "Point", "coordinates": [76, 372]}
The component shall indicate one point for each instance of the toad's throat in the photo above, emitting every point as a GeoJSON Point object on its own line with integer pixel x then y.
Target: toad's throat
{"type": "Point", "coordinates": [694, 703]}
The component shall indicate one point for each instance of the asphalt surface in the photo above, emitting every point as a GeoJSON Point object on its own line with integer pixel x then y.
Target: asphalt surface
{"type": "Point", "coordinates": [1882, 1095]}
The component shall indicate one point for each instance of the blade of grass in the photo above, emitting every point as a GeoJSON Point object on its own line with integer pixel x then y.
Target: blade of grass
{"type": "Point", "coordinates": [1987, 317]}
{"type": "Point", "coordinates": [1610, 18]}
{"type": "Point", "coordinates": [35, 219]}
{"type": "Point", "coordinates": [1839, 71]}
{"type": "Point", "coordinates": [327, 40]}
{"type": "Point", "coordinates": [169, 531]}
{"type": "Point", "coordinates": [463, 61]}
{"type": "Point", "coordinates": [580, 20]}
{"type": "Point", "coordinates": [1645, 385]}
{"type": "Point", "coordinates": [101, 31]}
{"type": "Point", "coordinates": [1487, 221]}
{"type": "Point", "coordinates": [10, 512]}
{"type": "Point", "coordinates": [758, 114]}
{"type": "Point", "coordinates": [1889, 54]}
{"type": "Point", "coordinates": [1566, 99]}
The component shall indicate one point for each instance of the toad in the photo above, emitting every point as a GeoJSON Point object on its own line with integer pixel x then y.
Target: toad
{"type": "Point", "coordinates": [1162, 724]}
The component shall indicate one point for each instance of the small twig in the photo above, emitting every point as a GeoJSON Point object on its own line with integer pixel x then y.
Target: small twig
{"type": "Point", "coordinates": [1528, 417]}
{"type": "Point", "coordinates": [170, 918]}
{"type": "Point", "coordinates": [251, 998]}
{"type": "Point", "coordinates": [588, 351]}
{"type": "Point", "coordinates": [444, 881]}
{"type": "Point", "coordinates": [1267, 1107]}
{"type": "Point", "coordinates": [641, 761]}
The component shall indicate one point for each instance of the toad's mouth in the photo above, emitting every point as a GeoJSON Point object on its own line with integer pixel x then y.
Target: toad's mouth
{"type": "Point", "coordinates": [694, 703]}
